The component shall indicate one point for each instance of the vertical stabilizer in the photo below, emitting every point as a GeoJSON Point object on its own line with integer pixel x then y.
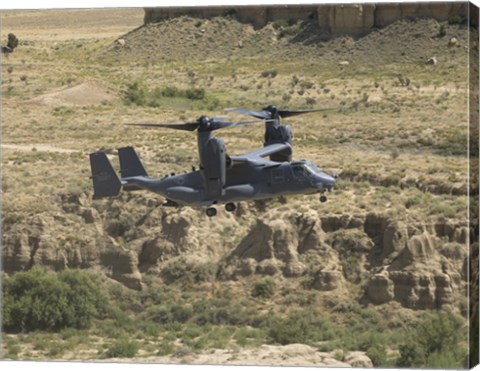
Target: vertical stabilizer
{"type": "Point", "coordinates": [105, 181]}
{"type": "Point", "coordinates": [130, 164]}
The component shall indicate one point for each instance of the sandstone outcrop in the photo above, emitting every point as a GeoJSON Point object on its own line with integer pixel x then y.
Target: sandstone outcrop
{"type": "Point", "coordinates": [380, 289]}
{"type": "Point", "coordinates": [417, 264]}
{"type": "Point", "coordinates": [350, 19]}
{"type": "Point", "coordinates": [272, 246]}
{"type": "Point", "coordinates": [425, 273]}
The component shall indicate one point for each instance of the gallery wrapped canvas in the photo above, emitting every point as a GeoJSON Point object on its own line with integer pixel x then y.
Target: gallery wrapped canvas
{"type": "Point", "coordinates": [270, 185]}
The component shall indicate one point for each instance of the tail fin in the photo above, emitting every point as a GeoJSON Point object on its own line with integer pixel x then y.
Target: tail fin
{"type": "Point", "coordinates": [130, 164]}
{"type": "Point", "coordinates": [105, 180]}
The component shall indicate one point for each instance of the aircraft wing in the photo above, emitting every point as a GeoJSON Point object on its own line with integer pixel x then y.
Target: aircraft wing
{"type": "Point", "coordinates": [255, 156]}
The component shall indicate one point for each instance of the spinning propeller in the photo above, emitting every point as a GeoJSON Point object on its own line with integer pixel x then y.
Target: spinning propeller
{"type": "Point", "coordinates": [272, 112]}
{"type": "Point", "coordinates": [203, 123]}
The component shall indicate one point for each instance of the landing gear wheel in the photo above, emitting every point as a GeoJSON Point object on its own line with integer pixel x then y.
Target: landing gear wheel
{"type": "Point", "coordinates": [323, 198]}
{"type": "Point", "coordinates": [211, 211]}
{"type": "Point", "coordinates": [230, 207]}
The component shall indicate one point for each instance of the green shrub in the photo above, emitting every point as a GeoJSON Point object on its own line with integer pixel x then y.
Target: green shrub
{"type": "Point", "coordinates": [195, 93]}
{"type": "Point", "coordinates": [168, 91]}
{"type": "Point", "coordinates": [182, 270]}
{"type": "Point", "coordinates": [305, 326]}
{"type": "Point", "coordinates": [138, 94]}
{"type": "Point", "coordinates": [166, 314]}
{"type": "Point", "coordinates": [245, 336]}
{"type": "Point", "coordinates": [121, 225]}
{"type": "Point", "coordinates": [13, 349]}
{"type": "Point", "coordinates": [205, 272]}
{"type": "Point", "coordinates": [269, 73]}
{"type": "Point", "coordinates": [378, 355]}
{"type": "Point", "coordinates": [265, 288]}
{"type": "Point", "coordinates": [135, 94]}
{"type": "Point", "coordinates": [411, 354]}
{"type": "Point", "coordinates": [436, 336]}
{"type": "Point", "coordinates": [86, 300]}
{"type": "Point", "coordinates": [166, 348]}
{"type": "Point", "coordinates": [224, 311]}
{"type": "Point", "coordinates": [178, 269]}
{"type": "Point", "coordinates": [12, 41]}
{"type": "Point", "coordinates": [456, 19]}
{"type": "Point", "coordinates": [351, 246]}
{"type": "Point", "coordinates": [122, 348]}
{"type": "Point", "coordinates": [442, 31]}
{"type": "Point", "coordinates": [43, 300]}
{"type": "Point", "coordinates": [281, 23]}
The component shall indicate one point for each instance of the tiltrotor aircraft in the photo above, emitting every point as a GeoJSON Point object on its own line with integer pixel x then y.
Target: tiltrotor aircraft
{"type": "Point", "coordinates": [222, 178]}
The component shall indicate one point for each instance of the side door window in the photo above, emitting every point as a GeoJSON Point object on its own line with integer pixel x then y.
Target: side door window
{"type": "Point", "coordinates": [298, 171]}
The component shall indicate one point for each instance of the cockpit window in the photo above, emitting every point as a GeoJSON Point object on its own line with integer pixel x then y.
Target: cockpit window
{"type": "Point", "coordinates": [298, 170]}
{"type": "Point", "coordinates": [303, 170]}
{"type": "Point", "coordinates": [311, 168]}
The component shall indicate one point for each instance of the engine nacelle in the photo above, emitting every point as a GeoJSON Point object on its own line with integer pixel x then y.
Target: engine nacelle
{"type": "Point", "coordinates": [279, 134]}
{"type": "Point", "coordinates": [215, 167]}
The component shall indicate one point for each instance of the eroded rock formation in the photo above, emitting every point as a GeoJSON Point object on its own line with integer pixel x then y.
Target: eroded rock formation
{"type": "Point", "coordinates": [348, 19]}
{"type": "Point", "coordinates": [417, 264]}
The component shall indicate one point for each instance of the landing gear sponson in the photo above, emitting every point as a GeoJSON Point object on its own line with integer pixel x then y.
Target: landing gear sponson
{"type": "Point", "coordinates": [230, 207]}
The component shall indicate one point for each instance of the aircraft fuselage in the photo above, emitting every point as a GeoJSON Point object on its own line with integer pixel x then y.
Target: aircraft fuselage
{"type": "Point", "coordinates": [270, 179]}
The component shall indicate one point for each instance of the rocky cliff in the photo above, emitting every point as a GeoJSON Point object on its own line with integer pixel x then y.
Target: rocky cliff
{"type": "Point", "coordinates": [349, 19]}
{"type": "Point", "coordinates": [377, 259]}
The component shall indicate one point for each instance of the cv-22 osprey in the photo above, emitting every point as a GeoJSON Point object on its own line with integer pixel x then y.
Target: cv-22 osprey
{"type": "Point", "coordinates": [221, 178]}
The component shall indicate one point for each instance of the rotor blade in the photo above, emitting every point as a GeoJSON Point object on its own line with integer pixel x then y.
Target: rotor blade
{"type": "Point", "coordinates": [219, 118]}
{"type": "Point", "coordinates": [257, 114]}
{"type": "Point", "coordinates": [189, 126]}
{"type": "Point", "coordinates": [222, 125]}
{"type": "Point", "coordinates": [289, 113]}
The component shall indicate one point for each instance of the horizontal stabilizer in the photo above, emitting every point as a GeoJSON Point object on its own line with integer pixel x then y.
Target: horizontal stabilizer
{"type": "Point", "coordinates": [105, 181]}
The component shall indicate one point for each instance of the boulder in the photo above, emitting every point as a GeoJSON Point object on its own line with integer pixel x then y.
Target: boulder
{"type": "Point", "coordinates": [328, 280]}
{"type": "Point", "coordinates": [120, 43]}
{"type": "Point", "coordinates": [453, 42]}
{"type": "Point", "coordinates": [358, 359]}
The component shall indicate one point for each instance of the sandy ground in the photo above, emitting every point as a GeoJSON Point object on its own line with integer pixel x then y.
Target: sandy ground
{"type": "Point", "coordinates": [87, 93]}
{"type": "Point", "coordinates": [70, 24]}
{"type": "Point", "coordinates": [35, 147]}
{"type": "Point", "coordinates": [264, 355]}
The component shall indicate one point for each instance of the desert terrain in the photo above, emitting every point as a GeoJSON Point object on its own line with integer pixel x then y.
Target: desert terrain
{"type": "Point", "coordinates": [368, 278]}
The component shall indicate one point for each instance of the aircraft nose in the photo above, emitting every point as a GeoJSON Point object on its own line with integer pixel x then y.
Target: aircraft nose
{"type": "Point", "coordinates": [325, 181]}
